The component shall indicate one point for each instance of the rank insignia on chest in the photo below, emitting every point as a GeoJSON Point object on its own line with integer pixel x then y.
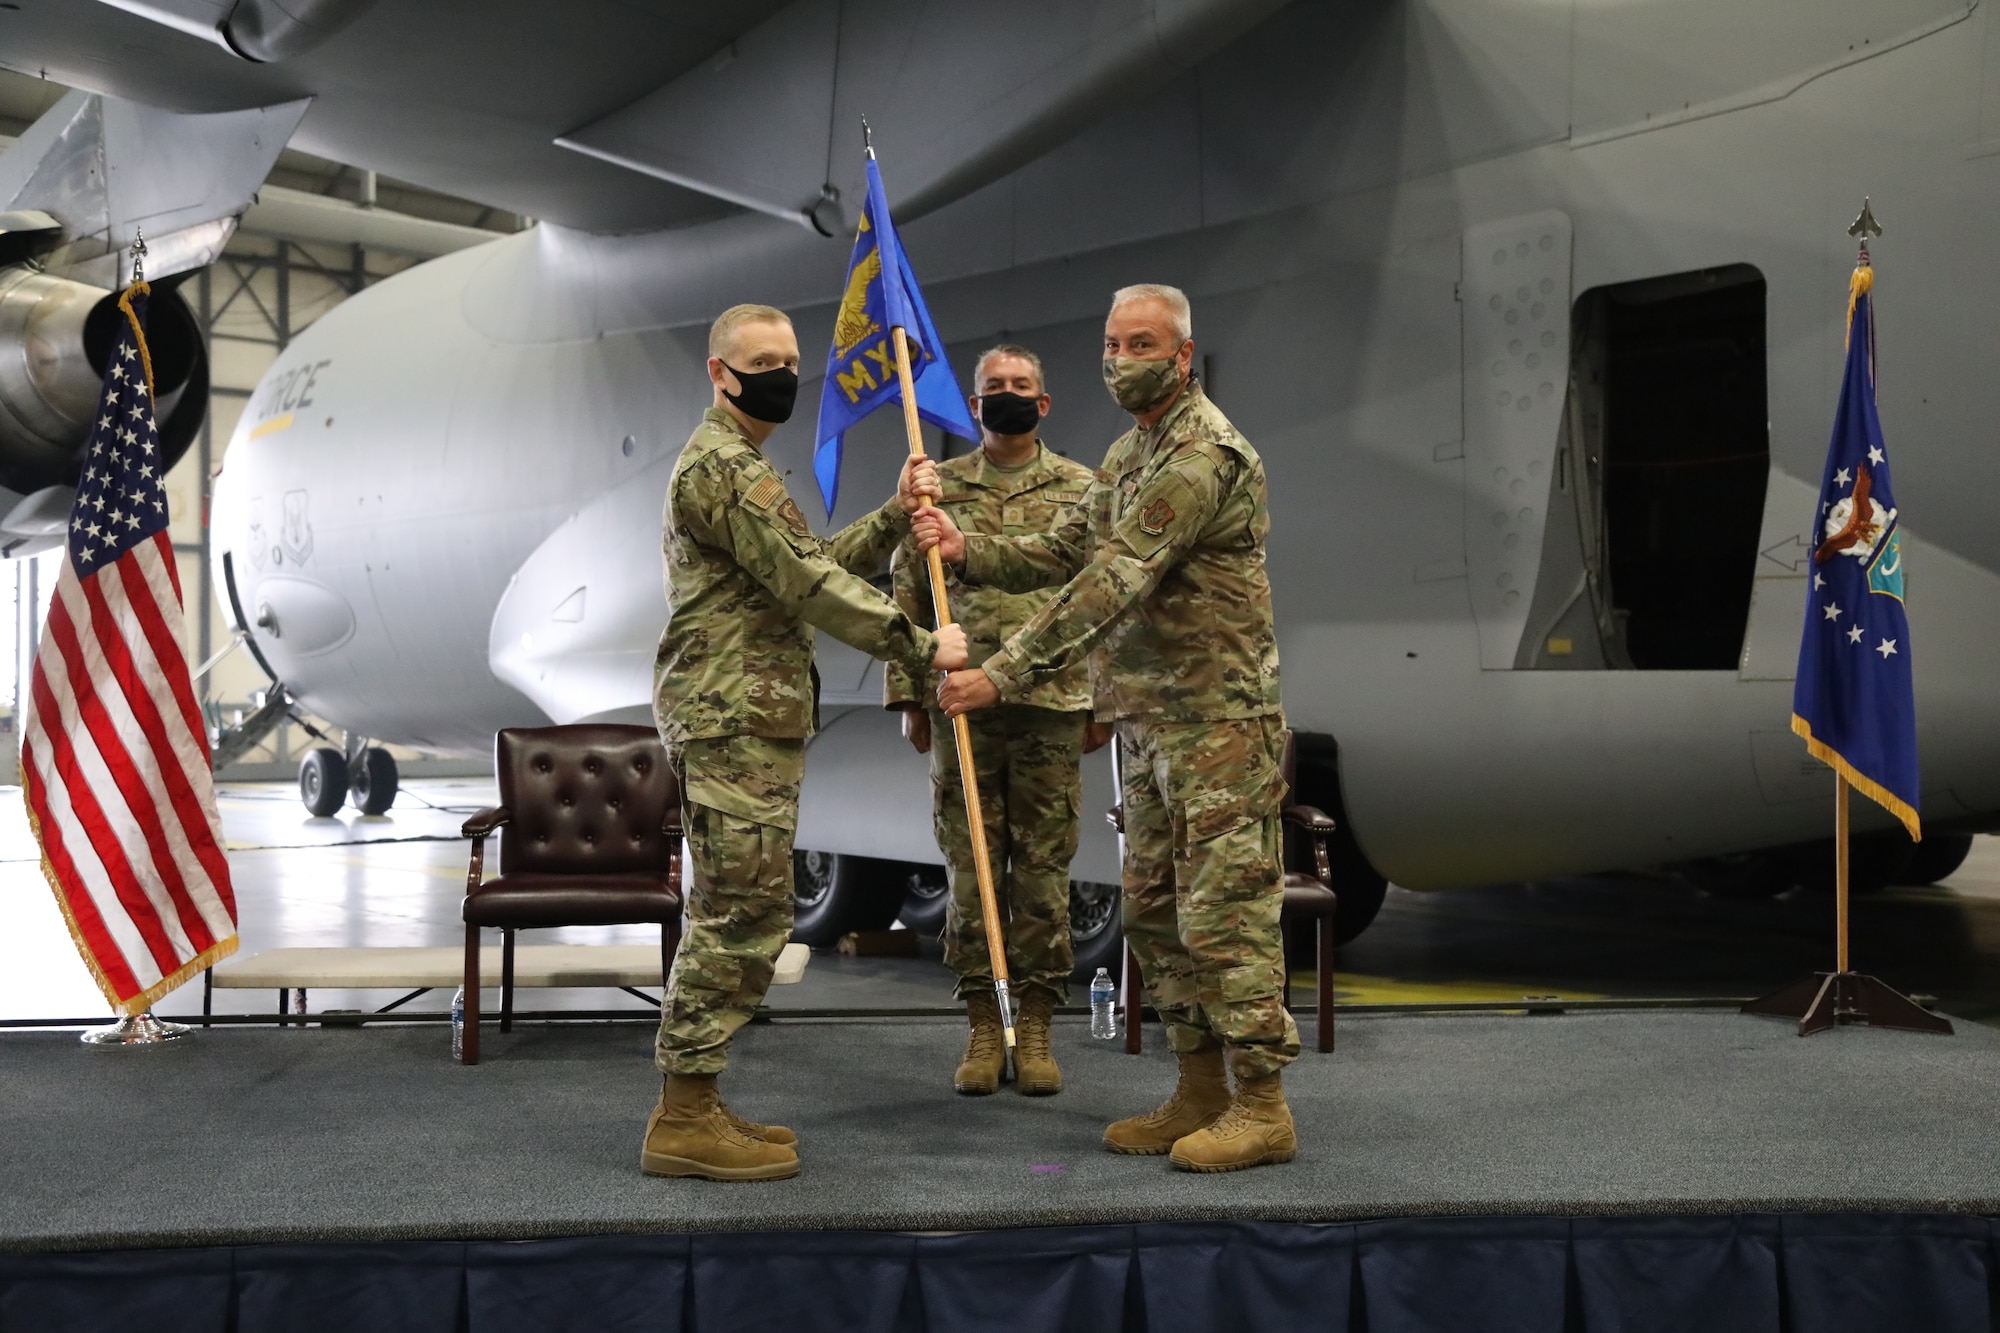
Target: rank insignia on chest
{"type": "Point", "coordinates": [1154, 520]}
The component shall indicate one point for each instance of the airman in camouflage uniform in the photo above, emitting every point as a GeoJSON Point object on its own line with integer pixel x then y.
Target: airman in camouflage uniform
{"type": "Point", "coordinates": [1025, 751]}
{"type": "Point", "coordinates": [735, 697]}
{"type": "Point", "coordinates": [1166, 590]}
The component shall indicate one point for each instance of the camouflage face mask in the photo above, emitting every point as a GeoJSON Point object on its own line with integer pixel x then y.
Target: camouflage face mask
{"type": "Point", "coordinates": [1141, 386]}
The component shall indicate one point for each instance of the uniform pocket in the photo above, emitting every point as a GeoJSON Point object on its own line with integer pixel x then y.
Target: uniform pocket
{"type": "Point", "coordinates": [1245, 801]}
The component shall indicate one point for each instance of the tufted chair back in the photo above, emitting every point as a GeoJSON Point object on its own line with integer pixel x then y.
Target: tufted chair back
{"type": "Point", "coordinates": [593, 799]}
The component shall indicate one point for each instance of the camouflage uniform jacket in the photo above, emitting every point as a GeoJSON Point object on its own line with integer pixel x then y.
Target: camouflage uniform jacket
{"type": "Point", "coordinates": [1164, 558]}
{"type": "Point", "coordinates": [1007, 502]}
{"type": "Point", "coordinates": [746, 583]}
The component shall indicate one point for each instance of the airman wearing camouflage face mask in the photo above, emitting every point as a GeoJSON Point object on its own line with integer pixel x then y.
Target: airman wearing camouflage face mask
{"type": "Point", "coordinates": [1164, 588]}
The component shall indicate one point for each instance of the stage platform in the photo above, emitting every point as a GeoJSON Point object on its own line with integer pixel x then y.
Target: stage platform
{"type": "Point", "coordinates": [304, 1148]}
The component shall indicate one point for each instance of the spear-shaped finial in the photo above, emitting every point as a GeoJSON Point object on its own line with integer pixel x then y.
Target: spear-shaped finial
{"type": "Point", "coordinates": [867, 138]}
{"type": "Point", "coordinates": [138, 253]}
{"type": "Point", "coordinates": [1865, 226]}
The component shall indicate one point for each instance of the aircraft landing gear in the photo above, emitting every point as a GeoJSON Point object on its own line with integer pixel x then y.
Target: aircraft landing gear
{"type": "Point", "coordinates": [372, 781]}
{"type": "Point", "coordinates": [328, 778]}
{"type": "Point", "coordinates": [323, 781]}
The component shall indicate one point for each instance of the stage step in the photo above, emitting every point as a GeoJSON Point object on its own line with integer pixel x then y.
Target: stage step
{"type": "Point", "coordinates": [406, 969]}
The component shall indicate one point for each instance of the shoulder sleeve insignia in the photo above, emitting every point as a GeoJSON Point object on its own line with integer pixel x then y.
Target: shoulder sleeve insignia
{"type": "Point", "coordinates": [1157, 515]}
{"type": "Point", "coordinates": [789, 511]}
{"type": "Point", "coordinates": [766, 492]}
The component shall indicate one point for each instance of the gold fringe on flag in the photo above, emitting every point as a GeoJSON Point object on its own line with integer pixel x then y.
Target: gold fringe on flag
{"type": "Point", "coordinates": [1867, 786]}
{"type": "Point", "coordinates": [144, 1000]}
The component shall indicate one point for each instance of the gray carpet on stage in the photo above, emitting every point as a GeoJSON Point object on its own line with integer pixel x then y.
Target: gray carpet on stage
{"type": "Point", "coordinates": [322, 1134]}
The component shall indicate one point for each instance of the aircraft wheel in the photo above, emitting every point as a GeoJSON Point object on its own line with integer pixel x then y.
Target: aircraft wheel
{"type": "Point", "coordinates": [1745, 875]}
{"type": "Point", "coordinates": [373, 781]}
{"type": "Point", "coordinates": [323, 781]}
{"type": "Point", "coordinates": [926, 899]}
{"type": "Point", "coordinates": [1096, 928]}
{"type": "Point", "coordinates": [1938, 857]}
{"type": "Point", "coordinates": [834, 893]}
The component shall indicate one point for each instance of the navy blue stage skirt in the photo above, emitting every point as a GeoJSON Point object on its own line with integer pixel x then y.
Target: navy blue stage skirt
{"type": "Point", "coordinates": [1793, 1273]}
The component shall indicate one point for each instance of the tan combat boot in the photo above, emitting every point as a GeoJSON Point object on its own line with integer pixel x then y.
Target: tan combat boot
{"type": "Point", "coordinates": [985, 1047]}
{"type": "Point", "coordinates": [689, 1134]}
{"type": "Point", "coordinates": [1199, 1098]}
{"type": "Point", "coordinates": [1035, 1072]}
{"type": "Point", "coordinates": [768, 1133]}
{"type": "Point", "coordinates": [1257, 1128]}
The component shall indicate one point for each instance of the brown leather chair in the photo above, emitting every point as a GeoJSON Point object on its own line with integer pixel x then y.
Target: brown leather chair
{"type": "Point", "coordinates": [1308, 897]}
{"type": "Point", "coordinates": [593, 838]}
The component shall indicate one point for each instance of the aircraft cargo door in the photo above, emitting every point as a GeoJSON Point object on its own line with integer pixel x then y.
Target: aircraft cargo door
{"type": "Point", "coordinates": [1661, 471]}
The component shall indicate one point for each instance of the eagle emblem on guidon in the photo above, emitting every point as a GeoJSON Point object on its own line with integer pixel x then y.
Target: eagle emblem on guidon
{"type": "Point", "coordinates": [853, 323]}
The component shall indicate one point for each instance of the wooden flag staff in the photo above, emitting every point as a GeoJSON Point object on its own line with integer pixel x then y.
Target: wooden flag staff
{"type": "Point", "coordinates": [961, 730]}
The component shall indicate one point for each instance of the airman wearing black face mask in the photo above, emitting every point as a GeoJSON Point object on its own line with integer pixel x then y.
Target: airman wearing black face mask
{"type": "Point", "coordinates": [735, 696]}
{"type": "Point", "coordinates": [1026, 752]}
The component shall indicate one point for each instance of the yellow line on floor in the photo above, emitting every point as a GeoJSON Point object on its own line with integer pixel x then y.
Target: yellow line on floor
{"type": "Point", "coordinates": [1354, 988]}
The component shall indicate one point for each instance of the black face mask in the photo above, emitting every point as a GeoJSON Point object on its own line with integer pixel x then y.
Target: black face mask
{"type": "Point", "coordinates": [767, 395]}
{"type": "Point", "coordinates": [1009, 413]}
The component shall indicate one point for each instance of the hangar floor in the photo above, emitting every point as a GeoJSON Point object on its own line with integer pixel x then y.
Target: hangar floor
{"type": "Point", "coordinates": [397, 879]}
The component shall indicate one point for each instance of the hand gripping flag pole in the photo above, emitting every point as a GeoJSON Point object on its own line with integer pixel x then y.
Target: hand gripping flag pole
{"type": "Point", "coordinates": [961, 730]}
{"type": "Point", "coordinates": [1855, 702]}
{"type": "Point", "coordinates": [882, 291]}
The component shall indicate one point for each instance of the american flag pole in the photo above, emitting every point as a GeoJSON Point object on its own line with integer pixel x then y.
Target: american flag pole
{"type": "Point", "coordinates": [114, 758]}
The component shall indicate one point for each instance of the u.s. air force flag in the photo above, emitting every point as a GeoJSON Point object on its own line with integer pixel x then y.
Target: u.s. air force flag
{"type": "Point", "coordinates": [1854, 702]}
{"type": "Point", "coordinates": [881, 295]}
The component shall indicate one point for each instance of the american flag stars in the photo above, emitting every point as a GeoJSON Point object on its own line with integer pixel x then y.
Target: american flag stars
{"type": "Point", "coordinates": [121, 497]}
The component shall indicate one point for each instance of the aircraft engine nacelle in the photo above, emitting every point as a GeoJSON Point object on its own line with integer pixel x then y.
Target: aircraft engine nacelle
{"type": "Point", "coordinates": [55, 337]}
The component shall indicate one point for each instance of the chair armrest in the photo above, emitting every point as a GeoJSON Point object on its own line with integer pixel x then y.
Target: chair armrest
{"type": "Point", "coordinates": [1317, 825]}
{"type": "Point", "coordinates": [485, 822]}
{"type": "Point", "coordinates": [1115, 817]}
{"type": "Point", "coordinates": [477, 828]}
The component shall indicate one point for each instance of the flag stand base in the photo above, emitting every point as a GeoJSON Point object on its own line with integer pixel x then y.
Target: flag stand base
{"type": "Point", "coordinates": [137, 1030]}
{"type": "Point", "coordinates": [1825, 999]}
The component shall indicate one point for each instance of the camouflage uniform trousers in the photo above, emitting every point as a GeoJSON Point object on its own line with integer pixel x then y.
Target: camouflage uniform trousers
{"type": "Point", "coordinates": [739, 805]}
{"type": "Point", "coordinates": [1204, 883]}
{"type": "Point", "coordinates": [1030, 790]}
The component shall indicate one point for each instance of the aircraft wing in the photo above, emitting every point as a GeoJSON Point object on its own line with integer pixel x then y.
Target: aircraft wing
{"type": "Point", "coordinates": [618, 117]}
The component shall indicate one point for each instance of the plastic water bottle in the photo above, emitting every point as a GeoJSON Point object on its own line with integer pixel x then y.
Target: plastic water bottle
{"type": "Point", "coordinates": [458, 1025]}
{"type": "Point", "coordinates": [1103, 1006]}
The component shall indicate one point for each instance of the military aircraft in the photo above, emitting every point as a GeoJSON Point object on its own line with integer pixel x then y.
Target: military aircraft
{"type": "Point", "coordinates": [1534, 309]}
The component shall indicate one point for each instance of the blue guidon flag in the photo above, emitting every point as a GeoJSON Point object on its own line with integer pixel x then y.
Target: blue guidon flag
{"type": "Point", "coordinates": [881, 295]}
{"type": "Point", "coordinates": [1854, 702]}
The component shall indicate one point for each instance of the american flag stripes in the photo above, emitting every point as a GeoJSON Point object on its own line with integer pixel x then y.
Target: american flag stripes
{"type": "Point", "coordinates": [114, 758]}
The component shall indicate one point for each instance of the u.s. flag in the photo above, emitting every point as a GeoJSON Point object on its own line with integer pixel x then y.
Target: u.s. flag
{"type": "Point", "coordinates": [114, 757]}
{"type": "Point", "coordinates": [1854, 702]}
